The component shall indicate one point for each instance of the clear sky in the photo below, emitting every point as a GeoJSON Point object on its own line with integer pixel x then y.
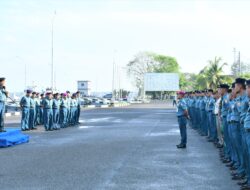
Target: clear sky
{"type": "Point", "coordinates": [88, 32]}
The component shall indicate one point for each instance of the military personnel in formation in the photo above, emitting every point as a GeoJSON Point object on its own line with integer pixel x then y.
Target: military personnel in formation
{"type": "Point", "coordinates": [73, 110]}
{"type": "Point", "coordinates": [56, 111]}
{"type": "Point", "coordinates": [47, 105]}
{"type": "Point", "coordinates": [224, 117]}
{"type": "Point", "coordinates": [3, 97]}
{"type": "Point", "coordinates": [68, 107]}
{"type": "Point", "coordinates": [37, 116]}
{"type": "Point", "coordinates": [182, 115]}
{"type": "Point", "coordinates": [78, 107]}
{"type": "Point", "coordinates": [41, 116]}
{"type": "Point", "coordinates": [64, 110]}
{"type": "Point", "coordinates": [25, 106]}
{"type": "Point", "coordinates": [32, 111]}
{"type": "Point", "coordinates": [246, 128]}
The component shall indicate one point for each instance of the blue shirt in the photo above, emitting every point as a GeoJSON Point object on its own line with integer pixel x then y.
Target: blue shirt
{"type": "Point", "coordinates": [243, 106]}
{"type": "Point", "coordinates": [3, 96]}
{"type": "Point", "coordinates": [225, 105]}
{"type": "Point", "coordinates": [32, 103]}
{"type": "Point", "coordinates": [210, 104]}
{"type": "Point", "coordinates": [47, 103]}
{"type": "Point", "coordinates": [56, 104]}
{"type": "Point", "coordinates": [203, 103]}
{"type": "Point", "coordinates": [64, 103]}
{"type": "Point", "coordinates": [197, 103]}
{"type": "Point", "coordinates": [247, 118]}
{"type": "Point", "coordinates": [25, 102]}
{"type": "Point", "coordinates": [193, 102]}
{"type": "Point", "coordinates": [235, 115]}
{"type": "Point", "coordinates": [181, 107]}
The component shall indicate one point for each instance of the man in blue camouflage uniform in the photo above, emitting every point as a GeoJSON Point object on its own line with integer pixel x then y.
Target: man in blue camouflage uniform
{"type": "Point", "coordinates": [32, 112]}
{"type": "Point", "coordinates": [47, 105]}
{"type": "Point", "coordinates": [56, 111]}
{"type": "Point", "coordinates": [78, 98]}
{"type": "Point", "coordinates": [3, 97]}
{"type": "Point", "coordinates": [234, 133]}
{"type": "Point", "coordinates": [211, 118]}
{"type": "Point", "coordinates": [182, 115]}
{"type": "Point", "coordinates": [25, 107]}
{"type": "Point", "coordinates": [224, 111]}
{"type": "Point", "coordinates": [247, 140]}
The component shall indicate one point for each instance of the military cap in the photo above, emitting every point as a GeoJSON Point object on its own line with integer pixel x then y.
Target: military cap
{"type": "Point", "coordinates": [248, 82]}
{"type": "Point", "coordinates": [233, 85]}
{"type": "Point", "coordinates": [229, 90]}
{"type": "Point", "coordinates": [181, 92]}
{"type": "Point", "coordinates": [2, 79]}
{"type": "Point", "coordinates": [28, 91]}
{"type": "Point", "coordinates": [240, 81]}
{"type": "Point", "coordinates": [210, 90]}
{"type": "Point", "coordinates": [48, 93]}
{"type": "Point", "coordinates": [224, 86]}
{"type": "Point", "coordinates": [34, 92]}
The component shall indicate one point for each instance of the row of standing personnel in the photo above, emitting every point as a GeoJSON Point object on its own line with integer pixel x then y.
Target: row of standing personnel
{"type": "Point", "coordinates": [54, 111]}
{"type": "Point", "coordinates": [224, 117]}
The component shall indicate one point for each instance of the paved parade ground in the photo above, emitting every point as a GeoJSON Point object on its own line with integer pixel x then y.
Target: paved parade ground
{"type": "Point", "coordinates": [131, 148]}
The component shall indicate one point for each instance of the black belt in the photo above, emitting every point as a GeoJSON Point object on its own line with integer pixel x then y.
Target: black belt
{"type": "Point", "coordinates": [247, 130]}
{"type": "Point", "coordinates": [48, 108]}
{"type": "Point", "coordinates": [234, 122]}
{"type": "Point", "coordinates": [181, 116]}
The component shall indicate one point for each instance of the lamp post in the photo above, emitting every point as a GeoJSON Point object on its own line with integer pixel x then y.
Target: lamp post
{"type": "Point", "coordinates": [52, 50]}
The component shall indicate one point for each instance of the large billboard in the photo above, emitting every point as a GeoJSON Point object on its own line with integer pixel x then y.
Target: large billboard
{"type": "Point", "coordinates": [161, 82]}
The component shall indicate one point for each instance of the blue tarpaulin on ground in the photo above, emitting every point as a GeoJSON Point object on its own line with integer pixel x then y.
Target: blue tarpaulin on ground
{"type": "Point", "coordinates": [12, 137]}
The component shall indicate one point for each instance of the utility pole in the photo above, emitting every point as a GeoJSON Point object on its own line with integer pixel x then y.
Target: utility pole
{"type": "Point", "coordinates": [239, 62]}
{"type": "Point", "coordinates": [25, 75]}
{"type": "Point", "coordinates": [113, 80]}
{"type": "Point", "coordinates": [52, 51]}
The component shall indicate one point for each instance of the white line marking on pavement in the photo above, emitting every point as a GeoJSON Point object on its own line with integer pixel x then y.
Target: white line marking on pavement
{"type": "Point", "coordinates": [167, 133]}
{"type": "Point", "coordinates": [85, 127]}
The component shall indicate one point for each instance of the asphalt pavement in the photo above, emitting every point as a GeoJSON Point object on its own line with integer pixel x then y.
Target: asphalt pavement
{"type": "Point", "coordinates": [130, 148]}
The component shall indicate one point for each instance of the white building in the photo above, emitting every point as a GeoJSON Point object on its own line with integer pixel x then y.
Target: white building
{"type": "Point", "coordinates": [83, 87]}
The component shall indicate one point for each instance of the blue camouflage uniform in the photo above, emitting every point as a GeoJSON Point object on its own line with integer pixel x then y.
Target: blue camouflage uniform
{"type": "Point", "coordinates": [203, 115]}
{"type": "Point", "coordinates": [182, 120]}
{"type": "Point", "coordinates": [32, 113]}
{"type": "Point", "coordinates": [56, 113]}
{"type": "Point", "coordinates": [245, 132]}
{"type": "Point", "coordinates": [232, 153]}
{"type": "Point", "coordinates": [78, 109]}
{"type": "Point", "coordinates": [68, 111]}
{"type": "Point", "coordinates": [48, 114]}
{"type": "Point", "coordinates": [41, 116]}
{"type": "Point", "coordinates": [63, 112]}
{"type": "Point", "coordinates": [212, 119]}
{"type": "Point", "coordinates": [235, 136]}
{"type": "Point", "coordinates": [197, 114]}
{"type": "Point", "coordinates": [25, 105]}
{"type": "Point", "coordinates": [3, 98]}
{"type": "Point", "coordinates": [224, 112]}
{"type": "Point", "coordinates": [73, 111]}
{"type": "Point", "coordinates": [37, 116]}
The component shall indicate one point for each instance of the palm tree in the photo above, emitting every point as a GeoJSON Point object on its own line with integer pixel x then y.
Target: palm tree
{"type": "Point", "coordinates": [214, 72]}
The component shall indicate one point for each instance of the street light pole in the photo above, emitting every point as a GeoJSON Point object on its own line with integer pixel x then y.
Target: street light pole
{"type": "Point", "coordinates": [113, 80]}
{"type": "Point", "coordinates": [52, 51]}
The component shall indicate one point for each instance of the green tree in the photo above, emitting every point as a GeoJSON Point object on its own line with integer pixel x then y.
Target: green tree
{"type": "Point", "coordinates": [211, 75]}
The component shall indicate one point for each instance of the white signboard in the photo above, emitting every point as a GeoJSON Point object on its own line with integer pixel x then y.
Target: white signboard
{"type": "Point", "coordinates": [161, 82]}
